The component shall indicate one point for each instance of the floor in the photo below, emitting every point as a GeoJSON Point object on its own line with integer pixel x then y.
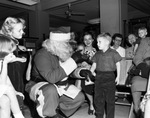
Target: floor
{"type": "Point", "coordinates": [121, 111]}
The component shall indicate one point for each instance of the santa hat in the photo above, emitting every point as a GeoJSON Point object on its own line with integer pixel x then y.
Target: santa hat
{"type": "Point", "coordinates": [60, 34]}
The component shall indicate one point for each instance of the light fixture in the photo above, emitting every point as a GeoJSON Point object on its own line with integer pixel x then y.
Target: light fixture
{"type": "Point", "coordinates": [94, 21]}
{"type": "Point", "coordinates": [27, 2]}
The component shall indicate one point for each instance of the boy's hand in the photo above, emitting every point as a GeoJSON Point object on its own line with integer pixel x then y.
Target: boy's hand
{"type": "Point", "coordinates": [117, 80]}
{"type": "Point", "coordinates": [9, 58]}
{"type": "Point", "coordinates": [20, 94]}
{"type": "Point", "coordinates": [94, 74]}
{"type": "Point", "coordinates": [22, 59]}
{"type": "Point", "coordinates": [22, 48]}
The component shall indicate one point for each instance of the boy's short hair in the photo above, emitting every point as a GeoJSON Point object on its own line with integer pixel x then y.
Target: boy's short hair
{"type": "Point", "coordinates": [106, 36]}
{"type": "Point", "coordinates": [142, 28]}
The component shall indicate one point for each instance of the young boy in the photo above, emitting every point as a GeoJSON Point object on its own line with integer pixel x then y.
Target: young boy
{"type": "Point", "coordinates": [143, 50]}
{"type": "Point", "coordinates": [105, 63]}
{"type": "Point", "coordinates": [142, 32]}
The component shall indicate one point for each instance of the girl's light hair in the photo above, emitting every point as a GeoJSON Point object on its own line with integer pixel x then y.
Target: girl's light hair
{"type": "Point", "coordinates": [9, 24]}
{"type": "Point", "coordinates": [7, 44]}
{"type": "Point", "coordinates": [59, 48]}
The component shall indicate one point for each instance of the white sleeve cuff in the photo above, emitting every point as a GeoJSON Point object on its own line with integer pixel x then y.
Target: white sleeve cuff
{"type": "Point", "coordinates": [76, 73]}
{"type": "Point", "coordinates": [69, 66]}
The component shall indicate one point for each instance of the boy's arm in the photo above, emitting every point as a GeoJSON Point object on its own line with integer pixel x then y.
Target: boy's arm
{"type": "Point", "coordinates": [92, 69]}
{"type": "Point", "coordinates": [118, 72]}
{"type": "Point", "coordinates": [135, 48]}
{"type": "Point", "coordinates": [3, 75]}
{"type": "Point", "coordinates": [22, 48]}
{"type": "Point", "coordinates": [141, 51]}
{"type": "Point", "coordinates": [78, 84]}
{"type": "Point", "coordinates": [22, 59]}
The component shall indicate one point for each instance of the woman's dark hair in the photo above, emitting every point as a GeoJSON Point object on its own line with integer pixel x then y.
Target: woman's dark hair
{"type": "Point", "coordinates": [91, 33]}
{"type": "Point", "coordinates": [116, 35]}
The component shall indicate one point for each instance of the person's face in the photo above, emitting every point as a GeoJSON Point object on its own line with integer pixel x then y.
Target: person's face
{"type": "Point", "coordinates": [131, 39]}
{"type": "Point", "coordinates": [80, 47]}
{"type": "Point", "coordinates": [102, 43]}
{"type": "Point", "coordinates": [117, 41]}
{"type": "Point", "coordinates": [72, 36]}
{"type": "Point", "coordinates": [142, 33]}
{"type": "Point", "coordinates": [17, 31]}
{"type": "Point", "coordinates": [88, 40]}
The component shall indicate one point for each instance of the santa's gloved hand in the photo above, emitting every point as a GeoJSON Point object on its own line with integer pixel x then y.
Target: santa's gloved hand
{"type": "Point", "coordinates": [87, 73]}
{"type": "Point", "coordinates": [78, 57]}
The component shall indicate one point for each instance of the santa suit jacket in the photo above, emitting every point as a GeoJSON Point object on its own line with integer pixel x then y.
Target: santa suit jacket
{"type": "Point", "coordinates": [48, 68]}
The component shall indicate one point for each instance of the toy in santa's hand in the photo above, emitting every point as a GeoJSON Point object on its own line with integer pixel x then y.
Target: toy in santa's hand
{"type": "Point", "coordinates": [79, 58]}
{"type": "Point", "coordinates": [83, 73]}
{"type": "Point", "coordinates": [86, 74]}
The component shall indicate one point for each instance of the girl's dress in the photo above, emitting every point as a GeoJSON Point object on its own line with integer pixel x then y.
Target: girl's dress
{"type": "Point", "coordinates": [3, 88]}
{"type": "Point", "coordinates": [16, 73]}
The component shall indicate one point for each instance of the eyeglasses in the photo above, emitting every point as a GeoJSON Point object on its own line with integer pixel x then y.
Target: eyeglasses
{"type": "Point", "coordinates": [118, 40]}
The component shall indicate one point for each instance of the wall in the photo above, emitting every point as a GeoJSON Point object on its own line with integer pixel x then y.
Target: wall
{"type": "Point", "coordinates": [57, 22]}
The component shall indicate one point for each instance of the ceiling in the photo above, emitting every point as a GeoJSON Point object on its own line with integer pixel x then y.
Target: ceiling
{"type": "Point", "coordinates": [84, 8]}
{"type": "Point", "coordinates": [89, 7]}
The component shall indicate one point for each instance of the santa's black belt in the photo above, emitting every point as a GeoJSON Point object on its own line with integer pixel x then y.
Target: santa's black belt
{"type": "Point", "coordinates": [104, 72]}
{"type": "Point", "coordinates": [62, 83]}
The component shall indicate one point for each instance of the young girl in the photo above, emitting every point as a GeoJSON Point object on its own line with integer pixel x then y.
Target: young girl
{"type": "Point", "coordinates": [14, 28]}
{"type": "Point", "coordinates": [7, 46]}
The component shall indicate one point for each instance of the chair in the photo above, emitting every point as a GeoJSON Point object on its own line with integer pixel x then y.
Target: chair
{"type": "Point", "coordinates": [123, 92]}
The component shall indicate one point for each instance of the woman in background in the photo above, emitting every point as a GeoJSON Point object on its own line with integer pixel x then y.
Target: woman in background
{"type": "Point", "coordinates": [87, 85]}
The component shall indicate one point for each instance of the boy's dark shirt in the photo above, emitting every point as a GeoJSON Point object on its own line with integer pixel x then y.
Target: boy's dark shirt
{"type": "Point", "coordinates": [137, 41]}
{"type": "Point", "coordinates": [106, 61]}
{"type": "Point", "coordinates": [143, 51]}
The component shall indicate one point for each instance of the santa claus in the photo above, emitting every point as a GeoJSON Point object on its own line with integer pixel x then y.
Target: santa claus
{"type": "Point", "coordinates": [48, 86]}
